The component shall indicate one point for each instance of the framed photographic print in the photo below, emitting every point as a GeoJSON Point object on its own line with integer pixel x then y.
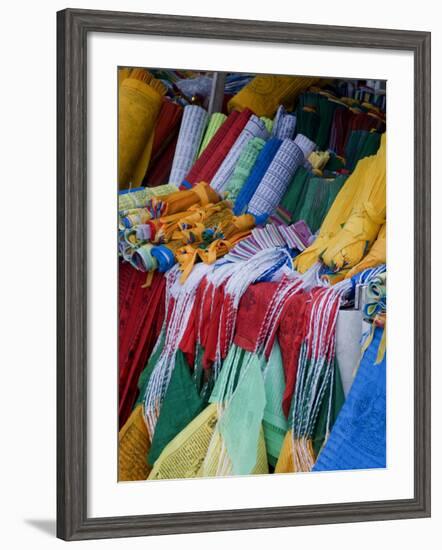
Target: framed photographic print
{"type": "Point", "coordinates": [231, 221]}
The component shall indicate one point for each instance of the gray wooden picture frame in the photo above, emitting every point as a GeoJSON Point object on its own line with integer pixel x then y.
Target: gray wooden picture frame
{"type": "Point", "coordinates": [73, 27]}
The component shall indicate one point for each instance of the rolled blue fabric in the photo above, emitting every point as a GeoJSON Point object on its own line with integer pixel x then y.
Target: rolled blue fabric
{"type": "Point", "coordinates": [277, 178]}
{"type": "Point", "coordinates": [358, 437]}
{"type": "Point", "coordinates": [164, 257]}
{"type": "Point", "coordinates": [262, 163]}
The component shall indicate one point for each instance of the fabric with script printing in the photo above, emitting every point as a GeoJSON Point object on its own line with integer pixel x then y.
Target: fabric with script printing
{"type": "Point", "coordinates": [277, 178]}
{"type": "Point", "coordinates": [255, 128]}
{"type": "Point", "coordinates": [189, 140]}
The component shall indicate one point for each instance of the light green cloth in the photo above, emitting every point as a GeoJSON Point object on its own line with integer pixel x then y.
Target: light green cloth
{"type": "Point", "coordinates": [240, 423]}
{"type": "Point", "coordinates": [243, 167]}
{"type": "Point", "coordinates": [274, 423]}
{"type": "Point", "coordinates": [216, 120]}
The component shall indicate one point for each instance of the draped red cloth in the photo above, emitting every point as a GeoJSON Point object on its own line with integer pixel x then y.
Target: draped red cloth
{"type": "Point", "coordinates": [141, 314]}
{"type": "Point", "coordinates": [213, 155]}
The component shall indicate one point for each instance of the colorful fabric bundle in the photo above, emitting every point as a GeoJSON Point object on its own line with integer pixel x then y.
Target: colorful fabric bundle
{"type": "Point", "coordinates": [243, 168]}
{"type": "Point", "coordinates": [255, 128]}
{"type": "Point", "coordinates": [358, 438]}
{"type": "Point", "coordinates": [189, 140]}
{"type": "Point", "coordinates": [208, 163]}
{"type": "Point", "coordinates": [276, 179]}
{"type": "Point", "coordinates": [180, 201]}
{"type": "Point", "coordinates": [139, 102]}
{"type": "Point", "coordinates": [360, 144]}
{"type": "Point", "coordinates": [265, 93]}
{"type": "Point", "coordinates": [260, 167]}
{"type": "Point", "coordinates": [215, 122]}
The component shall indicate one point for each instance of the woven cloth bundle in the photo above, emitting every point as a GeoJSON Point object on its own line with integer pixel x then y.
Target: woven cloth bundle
{"type": "Point", "coordinates": [215, 122]}
{"type": "Point", "coordinates": [265, 93]}
{"type": "Point", "coordinates": [138, 198]}
{"type": "Point", "coordinates": [260, 167]}
{"type": "Point", "coordinates": [189, 141]}
{"type": "Point", "coordinates": [139, 103]}
{"type": "Point", "coordinates": [243, 167]}
{"type": "Point", "coordinates": [208, 163]}
{"type": "Point", "coordinates": [276, 179]}
{"type": "Point", "coordinates": [255, 128]}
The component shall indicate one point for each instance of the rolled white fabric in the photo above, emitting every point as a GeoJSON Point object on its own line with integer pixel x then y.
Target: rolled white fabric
{"type": "Point", "coordinates": [255, 127]}
{"type": "Point", "coordinates": [306, 145]}
{"type": "Point", "coordinates": [190, 136]}
{"type": "Point", "coordinates": [277, 178]}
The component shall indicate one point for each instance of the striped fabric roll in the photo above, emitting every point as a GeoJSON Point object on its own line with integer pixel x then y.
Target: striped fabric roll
{"type": "Point", "coordinates": [243, 167]}
{"type": "Point", "coordinates": [259, 169]}
{"type": "Point", "coordinates": [189, 140]}
{"type": "Point", "coordinates": [208, 163]}
{"type": "Point", "coordinates": [255, 127]}
{"type": "Point", "coordinates": [215, 122]}
{"type": "Point", "coordinates": [277, 178]}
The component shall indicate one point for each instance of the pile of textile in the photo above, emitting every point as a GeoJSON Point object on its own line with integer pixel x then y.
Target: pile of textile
{"type": "Point", "coordinates": [234, 267]}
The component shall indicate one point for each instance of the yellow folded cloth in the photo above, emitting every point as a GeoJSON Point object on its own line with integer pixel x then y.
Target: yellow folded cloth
{"type": "Point", "coordinates": [295, 456]}
{"type": "Point", "coordinates": [265, 93]}
{"type": "Point", "coordinates": [376, 256]}
{"type": "Point", "coordinates": [354, 219]}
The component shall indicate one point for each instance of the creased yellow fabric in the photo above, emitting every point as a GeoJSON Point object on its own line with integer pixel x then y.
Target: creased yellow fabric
{"type": "Point", "coordinates": [376, 256]}
{"type": "Point", "coordinates": [133, 446]}
{"type": "Point", "coordinates": [265, 93]}
{"type": "Point", "coordinates": [184, 455]}
{"type": "Point", "coordinates": [139, 102]}
{"type": "Point", "coordinates": [354, 220]}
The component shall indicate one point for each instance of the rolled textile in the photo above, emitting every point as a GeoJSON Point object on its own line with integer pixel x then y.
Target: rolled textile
{"type": "Point", "coordinates": [216, 156]}
{"type": "Point", "coordinates": [376, 256]}
{"type": "Point", "coordinates": [262, 163]}
{"type": "Point", "coordinates": [367, 170]}
{"type": "Point", "coordinates": [243, 167]}
{"type": "Point", "coordinates": [139, 102]}
{"type": "Point", "coordinates": [276, 179]}
{"type": "Point", "coordinates": [306, 145]}
{"type": "Point", "coordinates": [215, 122]}
{"type": "Point", "coordinates": [255, 127]}
{"type": "Point", "coordinates": [265, 93]}
{"type": "Point", "coordinates": [358, 438]}
{"type": "Point", "coordinates": [289, 203]}
{"type": "Point", "coordinates": [182, 200]}
{"type": "Point", "coordinates": [360, 144]}
{"type": "Point", "coordinates": [159, 169]}
{"type": "Point", "coordinates": [284, 124]}
{"type": "Point", "coordinates": [189, 140]}
{"type": "Point", "coordinates": [167, 126]}
{"type": "Point", "coordinates": [317, 201]}
{"type": "Point", "coordinates": [137, 198]}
